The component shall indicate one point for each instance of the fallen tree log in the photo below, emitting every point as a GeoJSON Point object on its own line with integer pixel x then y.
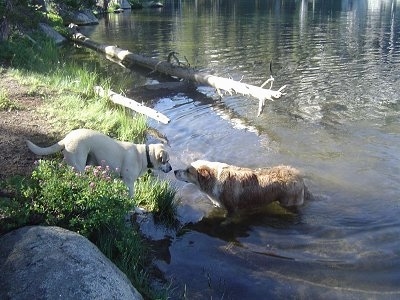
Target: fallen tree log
{"type": "Point", "coordinates": [132, 104]}
{"type": "Point", "coordinates": [227, 85]}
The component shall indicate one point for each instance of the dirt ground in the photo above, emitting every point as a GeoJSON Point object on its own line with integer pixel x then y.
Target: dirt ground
{"type": "Point", "coordinates": [20, 124]}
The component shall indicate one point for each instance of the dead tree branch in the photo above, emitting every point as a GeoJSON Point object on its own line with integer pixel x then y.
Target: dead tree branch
{"type": "Point", "coordinates": [229, 86]}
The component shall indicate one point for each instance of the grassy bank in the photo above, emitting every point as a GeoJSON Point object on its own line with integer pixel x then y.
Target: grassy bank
{"type": "Point", "coordinates": [96, 203]}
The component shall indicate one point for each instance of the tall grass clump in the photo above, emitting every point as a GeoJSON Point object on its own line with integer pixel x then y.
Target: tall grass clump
{"type": "Point", "coordinates": [74, 78]}
{"type": "Point", "coordinates": [156, 196]}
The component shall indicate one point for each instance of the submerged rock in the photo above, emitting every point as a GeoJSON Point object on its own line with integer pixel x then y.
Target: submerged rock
{"type": "Point", "coordinates": [39, 262]}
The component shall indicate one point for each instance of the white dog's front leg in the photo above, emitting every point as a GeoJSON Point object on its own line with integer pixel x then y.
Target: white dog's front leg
{"type": "Point", "coordinates": [129, 183]}
{"type": "Point", "coordinates": [129, 180]}
{"type": "Point", "coordinates": [131, 190]}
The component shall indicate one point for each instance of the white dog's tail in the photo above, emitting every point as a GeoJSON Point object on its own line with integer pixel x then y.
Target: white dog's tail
{"type": "Point", "coordinates": [47, 150]}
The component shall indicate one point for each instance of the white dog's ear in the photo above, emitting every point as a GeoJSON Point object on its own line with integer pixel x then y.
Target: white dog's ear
{"type": "Point", "coordinates": [163, 157]}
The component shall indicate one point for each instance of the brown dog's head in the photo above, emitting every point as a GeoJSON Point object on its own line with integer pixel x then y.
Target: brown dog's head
{"type": "Point", "coordinates": [188, 175]}
{"type": "Point", "coordinates": [201, 173]}
{"type": "Point", "coordinates": [193, 175]}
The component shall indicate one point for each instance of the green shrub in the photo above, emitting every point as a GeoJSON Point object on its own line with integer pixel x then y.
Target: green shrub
{"type": "Point", "coordinates": [56, 21]}
{"type": "Point", "coordinates": [113, 6]}
{"type": "Point", "coordinates": [79, 202]}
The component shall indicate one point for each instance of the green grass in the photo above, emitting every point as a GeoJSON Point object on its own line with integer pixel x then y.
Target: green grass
{"type": "Point", "coordinates": [54, 194]}
{"type": "Point", "coordinates": [158, 197]}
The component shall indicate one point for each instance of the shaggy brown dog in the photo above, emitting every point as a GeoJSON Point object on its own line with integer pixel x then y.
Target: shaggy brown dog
{"type": "Point", "coordinates": [241, 189]}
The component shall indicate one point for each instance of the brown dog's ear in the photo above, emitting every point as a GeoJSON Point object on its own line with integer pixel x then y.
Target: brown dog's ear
{"type": "Point", "coordinates": [204, 172]}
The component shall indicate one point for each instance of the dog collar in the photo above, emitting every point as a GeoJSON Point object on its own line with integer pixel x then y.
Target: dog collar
{"type": "Point", "coordinates": [149, 164]}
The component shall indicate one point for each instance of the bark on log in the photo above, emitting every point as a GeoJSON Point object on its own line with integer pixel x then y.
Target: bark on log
{"type": "Point", "coordinates": [132, 104]}
{"type": "Point", "coordinates": [219, 83]}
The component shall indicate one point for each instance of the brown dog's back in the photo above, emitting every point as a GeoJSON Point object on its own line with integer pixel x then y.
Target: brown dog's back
{"type": "Point", "coordinates": [246, 189]}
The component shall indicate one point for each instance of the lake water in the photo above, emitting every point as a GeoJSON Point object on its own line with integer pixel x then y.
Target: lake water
{"type": "Point", "coordinates": [339, 123]}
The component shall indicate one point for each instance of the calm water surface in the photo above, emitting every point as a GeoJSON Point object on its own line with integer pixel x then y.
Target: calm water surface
{"type": "Point", "coordinates": [338, 123]}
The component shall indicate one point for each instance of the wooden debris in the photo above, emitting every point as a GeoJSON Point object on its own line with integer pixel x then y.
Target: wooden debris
{"type": "Point", "coordinates": [132, 104]}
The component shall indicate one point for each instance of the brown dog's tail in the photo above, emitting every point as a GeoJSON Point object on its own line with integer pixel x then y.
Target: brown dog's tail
{"type": "Point", "coordinates": [47, 150]}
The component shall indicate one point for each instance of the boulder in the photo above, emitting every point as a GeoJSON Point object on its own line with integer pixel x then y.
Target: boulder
{"type": "Point", "coordinates": [80, 17]}
{"type": "Point", "coordinates": [50, 32]}
{"type": "Point", "coordinates": [38, 262]}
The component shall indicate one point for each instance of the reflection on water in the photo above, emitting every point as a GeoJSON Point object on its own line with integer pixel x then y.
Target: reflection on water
{"type": "Point", "coordinates": [338, 123]}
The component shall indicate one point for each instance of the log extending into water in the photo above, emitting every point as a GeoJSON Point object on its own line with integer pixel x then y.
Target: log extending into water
{"type": "Point", "coordinates": [219, 83]}
{"type": "Point", "coordinates": [132, 104]}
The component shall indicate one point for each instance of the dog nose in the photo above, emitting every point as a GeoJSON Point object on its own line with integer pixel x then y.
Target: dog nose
{"type": "Point", "coordinates": [176, 171]}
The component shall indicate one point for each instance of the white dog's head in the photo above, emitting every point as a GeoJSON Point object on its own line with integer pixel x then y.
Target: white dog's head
{"type": "Point", "coordinates": [159, 158]}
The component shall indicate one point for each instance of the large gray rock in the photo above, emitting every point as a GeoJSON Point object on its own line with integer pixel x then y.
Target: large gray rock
{"type": "Point", "coordinates": [39, 262]}
{"type": "Point", "coordinates": [50, 32]}
{"type": "Point", "coordinates": [81, 17]}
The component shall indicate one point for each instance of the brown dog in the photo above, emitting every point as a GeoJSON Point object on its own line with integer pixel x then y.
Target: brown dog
{"type": "Point", "coordinates": [241, 189]}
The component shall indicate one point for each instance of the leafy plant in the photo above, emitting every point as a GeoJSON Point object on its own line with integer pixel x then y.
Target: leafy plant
{"type": "Point", "coordinates": [56, 21]}
{"type": "Point", "coordinates": [6, 103]}
{"type": "Point", "coordinates": [79, 202]}
{"type": "Point", "coordinates": [113, 6]}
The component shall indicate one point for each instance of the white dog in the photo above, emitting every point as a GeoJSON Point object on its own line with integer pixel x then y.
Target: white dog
{"type": "Point", "coordinates": [242, 189]}
{"type": "Point", "coordinates": [83, 147]}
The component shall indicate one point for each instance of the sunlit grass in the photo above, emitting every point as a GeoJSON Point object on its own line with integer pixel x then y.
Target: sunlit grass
{"type": "Point", "coordinates": [70, 103]}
